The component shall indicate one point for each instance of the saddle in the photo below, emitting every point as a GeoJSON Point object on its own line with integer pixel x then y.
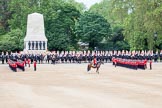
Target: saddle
{"type": "Point", "coordinates": [94, 65]}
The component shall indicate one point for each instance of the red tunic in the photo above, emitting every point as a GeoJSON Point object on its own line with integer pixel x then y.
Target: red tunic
{"type": "Point", "coordinates": [35, 63]}
{"type": "Point", "coordinates": [94, 61]}
{"type": "Point", "coordinates": [28, 61]}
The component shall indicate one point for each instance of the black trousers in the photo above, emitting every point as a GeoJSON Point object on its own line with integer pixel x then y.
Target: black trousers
{"type": "Point", "coordinates": [2, 61]}
{"type": "Point", "coordinates": [35, 68]}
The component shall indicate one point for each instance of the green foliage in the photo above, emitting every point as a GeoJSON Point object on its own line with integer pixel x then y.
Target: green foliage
{"type": "Point", "coordinates": [140, 19]}
{"type": "Point", "coordinates": [118, 40]}
{"type": "Point", "coordinates": [13, 39]}
{"type": "Point", "coordinates": [104, 9]}
{"type": "Point", "coordinates": [92, 28]}
{"type": "Point", "coordinates": [7, 46]}
{"type": "Point", "coordinates": [107, 10]}
{"type": "Point", "coordinates": [79, 6]}
{"type": "Point", "coordinates": [60, 17]}
{"type": "Point", "coordinates": [60, 30]}
{"type": "Point", "coordinates": [5, 14]}
{"type": "Point", "coordinates": [133, 23]}
{"type": "Point", "coordinates": [142, 22]}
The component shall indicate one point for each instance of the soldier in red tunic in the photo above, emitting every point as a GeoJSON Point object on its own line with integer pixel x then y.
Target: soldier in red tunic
{"type": "Point", "coordinates": [35, 65]}
{"type": "Point", "coordinates": [94, 61]}
{"type": "Point", "coordinates": [29, 62]}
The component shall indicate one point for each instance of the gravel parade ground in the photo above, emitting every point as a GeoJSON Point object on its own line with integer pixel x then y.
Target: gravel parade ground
{"type": "Point", "coordinates": [71, 86]}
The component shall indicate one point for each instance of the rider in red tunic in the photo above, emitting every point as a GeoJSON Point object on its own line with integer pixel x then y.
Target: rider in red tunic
{"type": "Point", "coordinates": [94, 61]}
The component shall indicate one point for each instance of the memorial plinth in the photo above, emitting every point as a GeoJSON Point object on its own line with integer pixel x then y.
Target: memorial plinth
{"type": "Point", "coordinates": [35, 38]}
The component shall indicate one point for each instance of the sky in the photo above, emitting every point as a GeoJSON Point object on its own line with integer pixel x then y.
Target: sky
{"type": "Point", "coordinates": [88, 3]}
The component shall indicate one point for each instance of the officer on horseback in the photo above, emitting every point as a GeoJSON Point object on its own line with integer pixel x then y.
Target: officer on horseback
{"type": "Point", "coordinates": [94, 61]}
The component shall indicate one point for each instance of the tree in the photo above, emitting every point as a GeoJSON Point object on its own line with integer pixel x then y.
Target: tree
{"type": "Point", "coordinates": [13, 39]}
{"type": "Point", "coordinates": [115, 15]}
{"type": "Point", "coordinates": [5, 14]}
{"type": "Point", "coordinates": [141, 22]}
{"type": "Point", "coordinates": [79, 6]}
{"type": "Point", "coordinates": [92, 28]}
{"type": "Point", "coordinates": [140, 19]}
{"type": "Point", "coordinates": [7, 46]}
{"type": "Point", "coordinates": [60, 29]}
{"type": "Point", "coordinates": [104, 8]}
{"type": "Point", "coordinates": [118, 40]}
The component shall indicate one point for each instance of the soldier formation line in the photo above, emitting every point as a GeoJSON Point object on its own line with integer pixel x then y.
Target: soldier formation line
{"type": "Point", "coordinates": [56, 57]}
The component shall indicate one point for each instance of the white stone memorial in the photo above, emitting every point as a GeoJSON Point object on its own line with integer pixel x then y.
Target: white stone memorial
{"type": "Point", "coordinates": [35, 39]}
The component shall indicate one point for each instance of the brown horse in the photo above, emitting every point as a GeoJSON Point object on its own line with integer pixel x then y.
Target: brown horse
{"type": "Point", "coordinates": [97, 66]}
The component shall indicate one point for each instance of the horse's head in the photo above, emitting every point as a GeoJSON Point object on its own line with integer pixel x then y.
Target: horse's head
{"type": "Point", "coordinates": [99, 64]}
